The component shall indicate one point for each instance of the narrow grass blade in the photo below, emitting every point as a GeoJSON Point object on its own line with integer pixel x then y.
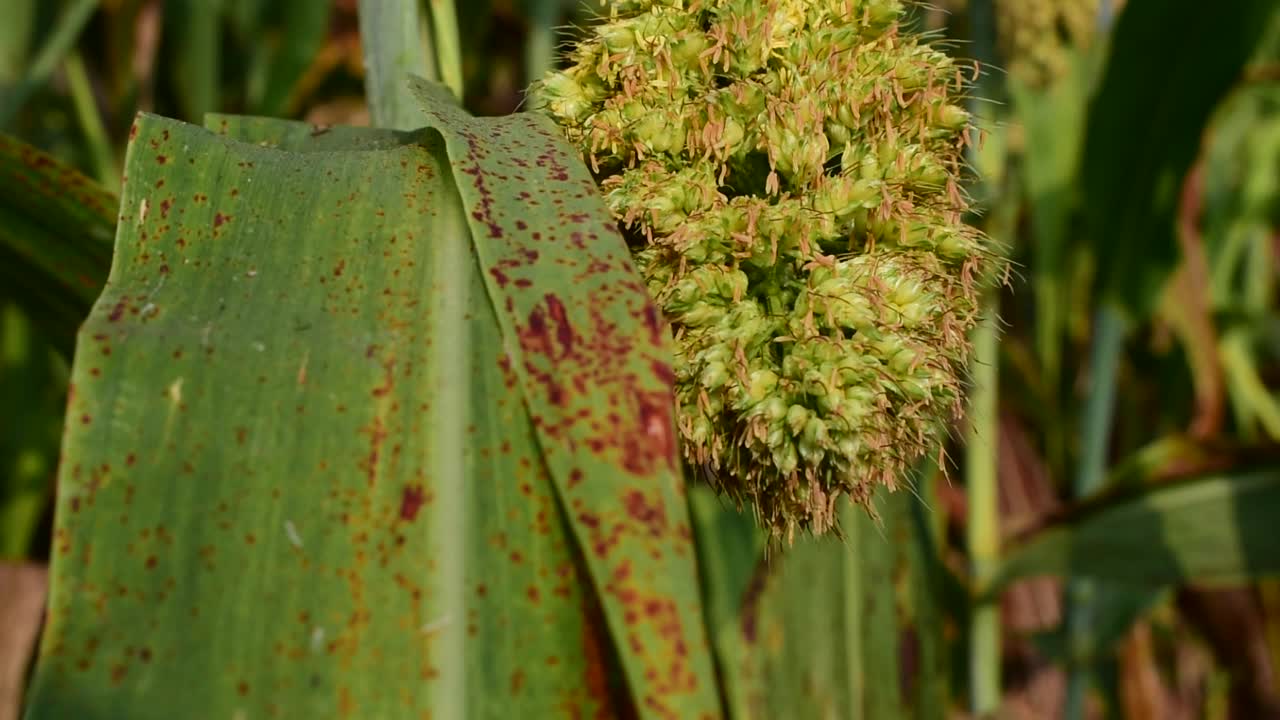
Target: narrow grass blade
{"type": "Point", "coordinates": [193, 39]}
{"type": "Point", "coordinates": [55, 47]}
{"type": "Point", "coordinates": [55, 238]}
{"type": "Point", "coordinates": [295, 35]}
{"type": "Point", "coordinates": [17, 26]}
{"type": "Point", "coordinates": [33, 386]}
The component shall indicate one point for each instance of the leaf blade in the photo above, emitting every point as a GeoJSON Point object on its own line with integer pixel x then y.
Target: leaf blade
{"type": "Point", "coordinates": [1132, 167]}
{"type": "Point", "coordinates": [250, 511]}
{"type": "Point", "coordinates": [1217, 528]}
{"type": "Point", "coordinates": [593, 360]}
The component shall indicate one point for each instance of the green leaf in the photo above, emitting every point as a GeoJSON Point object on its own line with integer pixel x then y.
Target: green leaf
{"type": "Point", "coordinates": [33, 386]}
{"type": "Point", "coordinates": [256, 513]}
{"type": "Point", "coordinates": [1054, 122]}
{"type": "Point", "coordinates": [66, 32]}
{"type": "Point", "coordinates": [1171, 62]}
{"type": "Point", "coordinates": [55, 239]}
{"type": "Point", "coordinates": [731, 557]}
{"type": "Point", "coordinates": [1216, 528]}
{"type": "Point", "coordinates": [17, 25]}
{"type": "Point", "coordinates": [829, 627]}
{"type": "Point", "coordinates": [590, 352]}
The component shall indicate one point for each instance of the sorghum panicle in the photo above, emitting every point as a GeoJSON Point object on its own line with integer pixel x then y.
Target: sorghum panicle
{"type": "Point", "coordinates": [788, 171]}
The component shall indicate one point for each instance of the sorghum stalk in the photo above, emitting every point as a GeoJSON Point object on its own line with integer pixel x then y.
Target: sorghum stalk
{"type": "Point", "coordinates": [788, 171]}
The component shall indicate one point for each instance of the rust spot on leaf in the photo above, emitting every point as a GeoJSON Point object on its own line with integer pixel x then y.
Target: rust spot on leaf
{"type": "Point", "coordinates": [651, 515]}
{"type": "Point", "coordinates": [377, 432]}
{"type": "Point", "coordinates": [412, 498]}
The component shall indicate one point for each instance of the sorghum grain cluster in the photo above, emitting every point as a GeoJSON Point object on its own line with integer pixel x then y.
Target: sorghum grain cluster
{"type": "Point", "coordinates": [788, 172]}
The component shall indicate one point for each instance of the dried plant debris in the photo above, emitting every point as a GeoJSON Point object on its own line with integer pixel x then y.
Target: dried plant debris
{"type": "Point", "coordinates": [788, 171]}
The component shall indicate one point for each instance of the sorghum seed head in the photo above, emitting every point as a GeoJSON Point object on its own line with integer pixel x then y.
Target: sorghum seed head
{"type": "Point", "coordinates": [787, 171]}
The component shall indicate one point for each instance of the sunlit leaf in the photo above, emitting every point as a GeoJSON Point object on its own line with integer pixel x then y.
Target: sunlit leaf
{"type": "Point", "coordinates": [254, 515]}
{"type": "Point", "coordinates": [1218, 528]}
{"type": "Point", "coordinates": [830, 627]}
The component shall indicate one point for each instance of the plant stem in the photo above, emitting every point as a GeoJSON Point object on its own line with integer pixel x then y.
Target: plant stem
{"type": "Point", "coordinates": [95, 132]}
{"type": "Point", "coordinates": [65, 33]}
{"type": "Point", "coordinates": [540, 53]}
{"type": "Point", "coordinates": [983, 526]}
{"type": "Point", "coordinates": [444, 24]}
{"type": "Point", "coordinates": [1104, 361]}
{"type": "Point", "coordinates": [391, 32]}
{"type": "Point", "coordinates": [454, 273]}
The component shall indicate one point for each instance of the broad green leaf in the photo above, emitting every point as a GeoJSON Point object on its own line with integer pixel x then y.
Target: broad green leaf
{"type": "Point", "coordinates": [253, 519]}
{"type": "Point", "coordinates": [1218, 528]}
{"type": "Point", "coordinates": [55, 238]}
{"type": "Point", "coordinates": [1171, 63]}
{"type": "Point", "coordinates": [830, 627]}
{"type": "Point", "coordinates": [589, 350]}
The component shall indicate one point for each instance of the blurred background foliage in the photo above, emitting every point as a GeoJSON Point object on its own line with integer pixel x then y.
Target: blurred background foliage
{"type": "Point", "coordinates": [1139, 343]}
